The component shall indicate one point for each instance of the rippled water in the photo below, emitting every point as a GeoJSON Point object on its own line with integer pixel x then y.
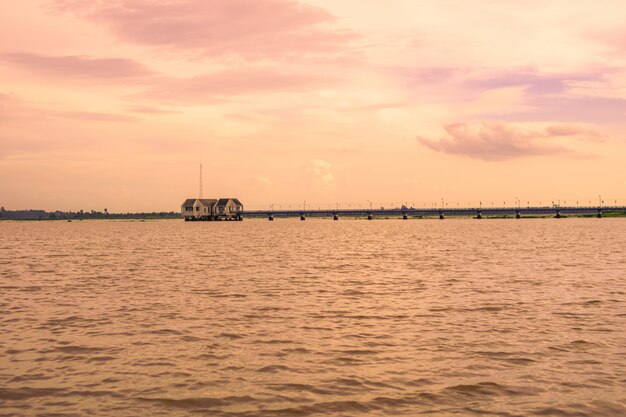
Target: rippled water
{"type": "Point", "coordinates": [348, 318]}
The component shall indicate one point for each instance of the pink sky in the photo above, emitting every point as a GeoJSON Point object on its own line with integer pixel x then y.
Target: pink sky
{"type": "Point", "coordinates": [113, 103]}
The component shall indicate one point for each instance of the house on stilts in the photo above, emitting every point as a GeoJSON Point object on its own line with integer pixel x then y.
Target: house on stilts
{"type": "Point", "coordinates": [196, 209]}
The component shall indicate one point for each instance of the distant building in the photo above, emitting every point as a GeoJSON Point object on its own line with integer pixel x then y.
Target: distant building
{"type": "Point", "coordinates": [211, 209]}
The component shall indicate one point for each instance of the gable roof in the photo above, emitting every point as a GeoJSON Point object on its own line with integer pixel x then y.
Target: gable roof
{"type": "Point", "coordinates": [208, 201]}
{"type": "Point", "coordinates": [189, 202]}
{"type": "Point", "coordinates": [224, 201]}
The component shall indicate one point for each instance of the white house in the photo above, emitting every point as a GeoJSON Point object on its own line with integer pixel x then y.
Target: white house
{"type": "Point", "coordinates": [211, 209]}
{"type": "Point", "coordinates": [228, 207]}
{"type": "Point", "coordinates": [198, 209]}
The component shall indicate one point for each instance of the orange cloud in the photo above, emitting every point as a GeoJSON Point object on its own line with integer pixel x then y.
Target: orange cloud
{"type": "Point", "coordinates": [77, 67]}
{"type": "Point", "coordinates": [249, 29]}
{"type": "Point", "coordinates": [220, 85]}
{"type": "Point", "coordinates": [493, 141]}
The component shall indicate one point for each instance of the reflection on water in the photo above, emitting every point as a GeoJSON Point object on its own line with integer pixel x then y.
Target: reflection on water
{"type": "Point", "coordinates": [257, 318]}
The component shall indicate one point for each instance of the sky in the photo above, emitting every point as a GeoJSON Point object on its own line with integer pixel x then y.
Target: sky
{"type": "Point", "coordinates": [114, 103]}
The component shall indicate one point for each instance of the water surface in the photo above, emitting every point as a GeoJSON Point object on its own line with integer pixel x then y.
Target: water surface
{"type": "Point", "coordinates": [288, 318]}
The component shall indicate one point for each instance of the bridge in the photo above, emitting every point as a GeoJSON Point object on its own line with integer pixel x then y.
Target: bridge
{"type": "Point", "coordinates": [441, 213]}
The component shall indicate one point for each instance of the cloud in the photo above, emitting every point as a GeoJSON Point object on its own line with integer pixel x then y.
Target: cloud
{"type": "Point", "coordinates": [92, 116]}
{"type": "Point", "coordinates": [206, 88]}
{"type": "Point", "coordinates": [244, 28]}
{"type": "Point", "coordinates": [219, 85]}
{"type": "Point", "coordinates": [614, 39]}
{"type": "Point", "coordinates": [592, 94]}
{"type": "Point", "coordinates": [492, 141]}
{"type": "Point", "coordinates": [572, 130]}
{"type": "Point", "coordinates": [610, 85]}
{"type": "Point", "coordinates": [321, 169]}
{"type": "Point", "coordinates": [11, 107]}
{"type": "Point", "coordinates": [77, 66]}
{"type": "Point", "coordinates": [266, 182]}
{"type": "Point", "coordinates": [150, 110]}
{"type": "Point", "coordinates": [14, 109]}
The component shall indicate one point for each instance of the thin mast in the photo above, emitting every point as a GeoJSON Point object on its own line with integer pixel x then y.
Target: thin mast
{"type": "Point", "coordinates": [200, 182]}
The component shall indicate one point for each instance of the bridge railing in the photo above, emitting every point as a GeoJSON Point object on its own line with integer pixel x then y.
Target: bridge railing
{"type": "Point", "coordinates": [412, 211]}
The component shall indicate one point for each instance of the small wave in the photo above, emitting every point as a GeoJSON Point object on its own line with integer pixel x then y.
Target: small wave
{"type": "Point", "coordinates": [593, 409]}
{"type": "Point", "coordinates": [30, 377]}
{"type": "Point", "coordinates": [302, 388]}
{"type": "Point", "coordinates": [231, 335]}
{"type": "Point", "coordinates": [491, 389]}
{"type": "Point", "coordinates": [322, 408]}
{"type": "Point", "coordinates": [298, 350]}
{"type": "Point", "coordinates": [274, 368]}
{"type": "Point", "coordinates": [75, 349]}
{"type": "Point", "coordinates": [357, 352]}
{"type": "Point", "coordinates": [275, 342]}
{"type": "Point", "coordinates": [164, 331]}
{"type": "Point", "coordinates": [200, 402]}
{"type": "Point", "coordinates": [154, 363]}
{"type": "Point", "coordinates": [211, 356]}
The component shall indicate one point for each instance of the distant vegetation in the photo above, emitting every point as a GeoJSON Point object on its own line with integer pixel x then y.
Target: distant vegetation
{"type": "Point", "coordinates": [614, 214]}
{"type": "Point", "coordinates": [79, 215]}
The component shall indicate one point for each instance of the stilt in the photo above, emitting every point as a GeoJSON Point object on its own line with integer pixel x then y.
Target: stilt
{"type": "Point", "coordinates": [335, 217]}
{"type": "Point", "coordinates": [271, 217]}
{"type": "Point", "coordinates": [599, 215]}
{"type": "Point", "coordinates": [404, 216]}
{"type": "Point", "coordinates": [558, 214]}
{"type": "Point", "coordinates": [302, 218]}
{"type": "Point", "coordinates": [479, 215]}
{"type": "Point", "coordinates": [518, 215]}
{"type": "Point", "coordinates": [441, 217]}
{"type": "Point", "coordinates": [369, 216]}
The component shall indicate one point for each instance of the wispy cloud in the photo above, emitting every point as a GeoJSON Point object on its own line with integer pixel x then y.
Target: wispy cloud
{"type": "Point", "coordinates": [322, 170]}
{"type": "Point", "coordinates": [92, 116]}
{"type": "Point", "coordinates": [77, 67]}
{"type": "Point", "coordinates": [264, 181]}
{"type": "Point", "coordinates": [610, 85]}
{"type": "Point", "coordinates": [494, 141]}
{"type": "Point", "coordinates": [13, 108]}
{"type": "Point", "coordinates": [221, 85]}
{"type": "Point", "coordinates": [150, 110]}
{"type": "Point", "coordinates": [244, 28]}
{"type": "Point", "coordinates": [614, 39]}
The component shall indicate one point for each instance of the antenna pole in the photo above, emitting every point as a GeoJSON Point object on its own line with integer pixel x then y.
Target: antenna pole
{"type": "Point", "coordinates": [200, 183]}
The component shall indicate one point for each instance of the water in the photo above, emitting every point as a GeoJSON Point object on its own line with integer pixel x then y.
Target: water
{"type": "Point", "coordinates": [288, 318]}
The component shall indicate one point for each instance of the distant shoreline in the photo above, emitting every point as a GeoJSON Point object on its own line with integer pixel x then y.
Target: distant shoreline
{"type": "Point", "coordinates": [83, 215]}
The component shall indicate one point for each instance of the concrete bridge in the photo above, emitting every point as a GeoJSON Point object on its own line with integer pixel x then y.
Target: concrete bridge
{"type": "Point", "coordinates": [441, 213]}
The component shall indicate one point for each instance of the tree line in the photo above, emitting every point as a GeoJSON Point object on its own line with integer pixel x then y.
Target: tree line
{"type": "Point", "coordinates": [81, 214]}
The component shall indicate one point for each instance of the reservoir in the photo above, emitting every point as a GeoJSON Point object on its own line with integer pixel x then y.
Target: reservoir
{"type": "Point", "coordinates": [318, 318]}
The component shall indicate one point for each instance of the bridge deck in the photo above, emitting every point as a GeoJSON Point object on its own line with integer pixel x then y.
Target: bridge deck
{"type": "Point", "coordinates": [472, 211]}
